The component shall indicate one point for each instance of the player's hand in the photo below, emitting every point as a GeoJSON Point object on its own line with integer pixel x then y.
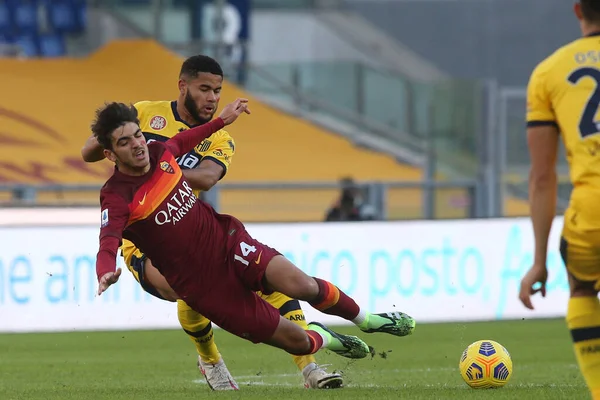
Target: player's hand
{"type": "Point", "coordinates": [538, 273]}
{"type": "Point", "coordinates": [234, 110]}
{"type": "Point", "coordinates": [107, 280]}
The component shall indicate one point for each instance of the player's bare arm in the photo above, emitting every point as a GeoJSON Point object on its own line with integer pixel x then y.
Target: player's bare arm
{"type": "Point", "coordinates": [92, 151]}
{"type": "Point", "coordinates": [205, 176]}
{"type": "Point", "coordinates": [543, 148]}
{"type": "Point", "coordinates": [153, 277]}
{"type": "Point", "coordinates": [186, 141]}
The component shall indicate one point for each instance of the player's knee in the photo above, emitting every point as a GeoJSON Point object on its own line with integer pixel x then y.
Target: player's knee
{"type": "Point", "coordinates": [306, 288]}
{"type": "Point", "coordinates": [291, 338]}
{"type": "Point", "coordinates": [582, 288]}
{"type": "Point", "coordinates": [283, 276]}
{"type": "Point", "coordinates": [298, 344]}
{"type": "Point", "coordinates": [583, 292]}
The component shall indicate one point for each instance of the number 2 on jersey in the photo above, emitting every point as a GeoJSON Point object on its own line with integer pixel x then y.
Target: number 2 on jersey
{"type": "Point", "coordinates": [587, 125]}
{"type": "Point", "coordinates": [246, 250]}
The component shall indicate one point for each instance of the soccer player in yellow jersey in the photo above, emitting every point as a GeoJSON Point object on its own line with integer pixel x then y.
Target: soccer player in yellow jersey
{"type": "Point", "coordinates": [563, 99]}
{"type": "Point", "coordinates": [200, 82]}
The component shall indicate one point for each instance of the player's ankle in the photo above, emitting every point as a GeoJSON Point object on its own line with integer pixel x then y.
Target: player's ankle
{"type": "Point", "coordinates": [308, 369]}
{"type": "Point", "coordinates": [363, 323]}
{"type": "Point", "coordinates": [211, 359]}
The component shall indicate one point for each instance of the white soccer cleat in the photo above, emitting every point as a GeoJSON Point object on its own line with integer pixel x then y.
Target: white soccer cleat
{"type": "Point", "coordinates": [318, 378]}
{"type": "Point", "coordinates": [217, 375]}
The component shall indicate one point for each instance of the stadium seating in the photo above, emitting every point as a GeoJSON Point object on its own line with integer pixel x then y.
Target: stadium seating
{"type": "Point", "coordinates": [44, 146]}
{"type": "Point", "coordinates": [40, 27]}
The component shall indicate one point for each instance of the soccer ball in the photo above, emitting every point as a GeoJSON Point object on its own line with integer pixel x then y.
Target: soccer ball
{"type": "Point", "coordinates": [485, 364]}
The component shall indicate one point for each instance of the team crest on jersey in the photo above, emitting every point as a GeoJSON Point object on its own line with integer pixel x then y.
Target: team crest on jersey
{"type": "Point", "coordinates": [203, 146]}
{"type": "Point", "coordinates": [165, 166]}
{"type": "Point", "coordinates": [157, 123]}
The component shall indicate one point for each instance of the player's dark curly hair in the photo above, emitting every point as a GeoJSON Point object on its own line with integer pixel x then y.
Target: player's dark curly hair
{"type": "Point", "coordinates": [591, 10]}
{"type": "Point", "coordinates": [197, 64]}
{"type": "Point", "coordinates": [110, 117]}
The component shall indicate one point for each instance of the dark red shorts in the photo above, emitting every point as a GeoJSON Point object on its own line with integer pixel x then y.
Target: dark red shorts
{"type": "Point", "coordinates": [249, 259]}
{"type": "Point", "coordinates": [230, 301]}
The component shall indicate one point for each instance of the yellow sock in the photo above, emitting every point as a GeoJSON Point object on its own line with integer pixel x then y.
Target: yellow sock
{"type": "Point", "coordinates": [583, 319]}
{"type": "Point", "coordinates": [199, 330]}
{"type": "Point", "coordinates": [291, 310]}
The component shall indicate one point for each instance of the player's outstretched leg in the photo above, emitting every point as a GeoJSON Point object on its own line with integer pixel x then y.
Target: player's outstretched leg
{"type": "Point", "coordinates": [210, 362]}
{"type": "Point", "coordinates": [295, 340]}
{"type": "Point", "coordinates": [315, 376]}
{"type": "Point", "coordinates": [285, 277]}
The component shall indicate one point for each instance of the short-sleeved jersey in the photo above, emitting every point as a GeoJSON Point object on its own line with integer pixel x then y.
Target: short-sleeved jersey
{"type": "Point", "coordinates": [159, 213]}
{"type": "Point", "coordinates": [564, 91]}
{"type": "Point", "coordinates": [160, 121]}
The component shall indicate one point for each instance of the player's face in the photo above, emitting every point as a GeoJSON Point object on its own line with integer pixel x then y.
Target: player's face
{"type": "Point", "coordinates": [202, 96]}
{"type": "Point", "coordinates": [130, 150]}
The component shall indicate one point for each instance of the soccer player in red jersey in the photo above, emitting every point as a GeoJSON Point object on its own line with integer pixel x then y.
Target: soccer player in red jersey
{"type": "Point", "coordinates": [200, 84]}
{"type": "Point", "coordinates": [207, 258]}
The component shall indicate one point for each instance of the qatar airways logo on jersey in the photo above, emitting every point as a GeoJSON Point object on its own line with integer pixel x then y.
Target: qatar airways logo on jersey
{"type": "Point", "coordinates": [177, 207]}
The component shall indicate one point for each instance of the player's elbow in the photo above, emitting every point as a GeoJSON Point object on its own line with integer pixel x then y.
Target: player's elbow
{"type": "Point", "coordinates": [91, 156]}
{"type": "Point", "coordinates": [86, 156]}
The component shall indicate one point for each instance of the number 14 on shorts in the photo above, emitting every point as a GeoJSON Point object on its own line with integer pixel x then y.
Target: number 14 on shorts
{"type": "Point", "coordinates": [246, 251]}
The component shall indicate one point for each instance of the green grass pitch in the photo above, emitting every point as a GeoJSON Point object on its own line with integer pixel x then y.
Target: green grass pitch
{"type": "Point", "coordinates": [161, 365]}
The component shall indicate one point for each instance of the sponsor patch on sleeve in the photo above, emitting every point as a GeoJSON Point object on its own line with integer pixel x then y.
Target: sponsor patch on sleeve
{"type": "Point", "coordinates": [104, 218]}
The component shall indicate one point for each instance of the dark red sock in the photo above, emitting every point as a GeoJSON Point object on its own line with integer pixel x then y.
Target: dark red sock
{"type": "Point", "coordinates": [316, 341]}
{"type": "Point", "coordinates": [333, 301]}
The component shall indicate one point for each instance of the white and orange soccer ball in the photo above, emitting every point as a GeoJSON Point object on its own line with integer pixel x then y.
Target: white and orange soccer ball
{"type": "Point", "coordinates": [485, 364]}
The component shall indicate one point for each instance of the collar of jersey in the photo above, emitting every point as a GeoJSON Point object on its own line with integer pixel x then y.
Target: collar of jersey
{"type": "Point", "coordinates": [177, 117]}
{"type": "Point", "coordinates": [131, 178]}
{"type": "Point", "coordinates": [596, 33]}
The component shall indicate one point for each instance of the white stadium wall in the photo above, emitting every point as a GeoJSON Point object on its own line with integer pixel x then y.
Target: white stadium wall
{"type": "Point", "coordinates": [433, 270]}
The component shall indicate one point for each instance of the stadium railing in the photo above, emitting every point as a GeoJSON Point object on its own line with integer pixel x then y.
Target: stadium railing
{"type": "Point", "coordinates": [288, 202]}
{"type": "Point", "coordinates": [445, 117]}
{"type": "Point", "coordinates": [448, 112]}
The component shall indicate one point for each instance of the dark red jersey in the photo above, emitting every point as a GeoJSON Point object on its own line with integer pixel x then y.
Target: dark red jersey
{"type": "Point", "coordinates": [159, 213]}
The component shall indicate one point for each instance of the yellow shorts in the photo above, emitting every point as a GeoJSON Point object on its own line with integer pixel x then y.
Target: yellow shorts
{"type": "Point", "coordinates": [580, 240]}
{"type": "Point", "coordinates": [583, 262]}
{"type": "Point", "coordinates": [135, 261]}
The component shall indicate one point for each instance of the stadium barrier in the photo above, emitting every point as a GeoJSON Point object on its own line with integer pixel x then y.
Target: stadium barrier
{"type": "Point", "coordinates": [463, 270]}
{"type": "Point", "coordinates": [289, 201]}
